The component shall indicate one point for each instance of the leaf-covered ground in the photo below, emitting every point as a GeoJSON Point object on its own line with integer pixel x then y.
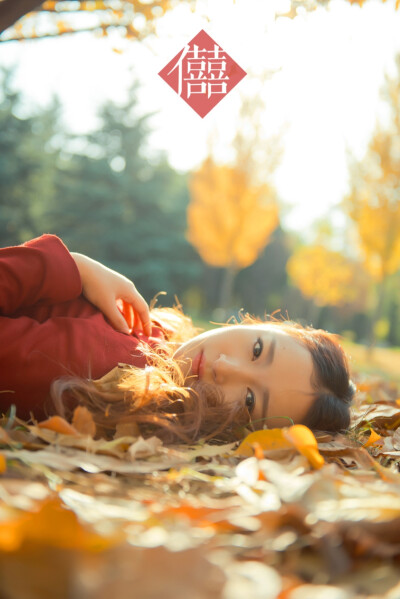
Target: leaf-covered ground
{"type": "Point", "coordinates": [281, 515]}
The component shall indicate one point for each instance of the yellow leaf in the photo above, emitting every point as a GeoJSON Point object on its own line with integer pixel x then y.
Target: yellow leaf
{"type": "Point", "coordinates": [304, 441]}
{"type": "Point", "coordinates": [266, 439]}
{"type": "Point", "coordinates": [298, 437]}
{"type": "Point", "coordinates": [373, 438]}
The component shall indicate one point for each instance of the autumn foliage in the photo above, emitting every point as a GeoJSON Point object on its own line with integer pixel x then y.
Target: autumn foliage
{"type": "Point", "coordinates": [296, 513]}
{"type": "Point", "coordinates": [229, 219]}
{"type": "Point", "coordinates": [326, 276]}
{"type": "Point", "coordinates": [132, 19]}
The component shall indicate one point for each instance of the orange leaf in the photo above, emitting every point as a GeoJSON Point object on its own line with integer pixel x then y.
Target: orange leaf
{"type": "Point", "coordinates": [3, 464]}
{"type": "Point", "coordinates": [373, 438]}
{"type": "Point", "coordinates": [58, 425]}
{"type": "Point", "coordinates": [266, 439]}
{"type": "Point", "coordinates": [53, 524]}
{"type": "Point", "coordinates": [304, 441]}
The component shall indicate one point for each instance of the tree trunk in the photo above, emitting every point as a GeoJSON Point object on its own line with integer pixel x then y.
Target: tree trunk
{"type": "Point", "coordinates": [313, 314]}
{"type": "Point", "coordinates": [375, 317]}
{"type": "Point", "coordinates": [12, 10]}
{"type": "Point", "coordinates": [225, 300]}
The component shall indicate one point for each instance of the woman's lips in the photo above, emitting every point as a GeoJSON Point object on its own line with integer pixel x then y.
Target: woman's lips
{"type": "Point", "coordinates": [198, 364]}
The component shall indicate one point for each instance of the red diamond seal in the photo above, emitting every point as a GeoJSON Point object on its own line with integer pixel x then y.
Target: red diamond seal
{"type": "Point", "coordinates": [202, 73]}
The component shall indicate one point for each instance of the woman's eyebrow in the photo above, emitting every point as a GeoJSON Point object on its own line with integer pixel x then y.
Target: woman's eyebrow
{"type": "Point", "coordinates": [265, 401]}
{"type": "Point", "coordinates": [269, 358]}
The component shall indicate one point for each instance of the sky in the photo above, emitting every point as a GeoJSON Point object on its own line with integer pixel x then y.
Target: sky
{"type": "Point", "coordinates": [325, 70]}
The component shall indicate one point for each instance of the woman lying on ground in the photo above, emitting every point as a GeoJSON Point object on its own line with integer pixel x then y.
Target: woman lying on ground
{"type": "Point", "coordinates": [61, 330]}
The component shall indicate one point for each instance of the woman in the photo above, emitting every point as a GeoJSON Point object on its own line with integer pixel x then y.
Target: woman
{"type": "Point", "coordinates": [79, 333]}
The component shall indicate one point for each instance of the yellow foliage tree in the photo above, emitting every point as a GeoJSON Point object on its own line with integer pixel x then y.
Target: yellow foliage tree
{"type": "Point", "coordinates": [60, 15]}
{"type": "Point", "coordinates": [373, 203]}
{"type": "Point", "coordinates": [132, 18]}
{"type": "Point", "coordinates": [327, 277]}
{"type": "Point", "coordinates": [374, 207]}
{"type": "Point", "coordinates": [230, 220]}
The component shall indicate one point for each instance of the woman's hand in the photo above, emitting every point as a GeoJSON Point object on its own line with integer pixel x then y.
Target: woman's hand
{"type": "Point", "coordinates": [107, 289]}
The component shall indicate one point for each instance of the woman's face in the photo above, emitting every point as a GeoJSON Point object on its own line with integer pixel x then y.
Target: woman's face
{"type": "Point", "coordinates": [259, 366]}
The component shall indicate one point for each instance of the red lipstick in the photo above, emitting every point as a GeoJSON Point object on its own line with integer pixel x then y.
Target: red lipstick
{"type": "Point", "coordinates": [198, 364]}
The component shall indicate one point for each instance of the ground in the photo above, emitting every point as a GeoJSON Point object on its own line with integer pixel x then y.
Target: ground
{"type": "Point", "coordinates": [282, 514]}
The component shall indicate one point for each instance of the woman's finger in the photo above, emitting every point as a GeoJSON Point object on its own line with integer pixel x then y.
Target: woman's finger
{"type": "Point", "coordinates": [116, 318]}
{"type": "Point", "coordinates": [128, 313]}
{"type": "Point", "coordinates": [141, 307]}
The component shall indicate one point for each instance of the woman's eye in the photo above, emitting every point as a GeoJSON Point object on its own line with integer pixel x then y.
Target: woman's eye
{"type": "Point", "coordinates": [257, 348]}
{"type": "Point", "coordinates": [250, 400]}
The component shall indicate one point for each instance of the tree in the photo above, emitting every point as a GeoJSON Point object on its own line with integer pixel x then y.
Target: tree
{"type": "Point", "coordinates": [373, 203]}
{"type": "Point", "coordinates": [117, 206]}
{"type": "Point", "coordinates": [233, 209]}
{"type": "Point", "coordinates": [132, 18]}
{"type": "Point", "coordinates": [60, 16]}
{"type": "Point", "coordinates": [229, 220]}
{"type": "Point", "coordinates": [326, 276]}
{"type": "Point", "coordinates": [26, 165]}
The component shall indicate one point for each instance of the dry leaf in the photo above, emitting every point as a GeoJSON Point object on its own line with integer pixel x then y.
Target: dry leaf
{"type": "Point", "coordinates": [83, 422]}
{"type": "Point", "coordinates": [58, 425]}
{"type": "Point", "coordinates": [145, 447]}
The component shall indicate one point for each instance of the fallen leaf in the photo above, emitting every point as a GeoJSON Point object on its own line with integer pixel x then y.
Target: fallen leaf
{"type": "Point", "coordinates": [304, 441]}
{"type": "Point", "coordinates": [51, 524]}
{"type": "Point", "coordinates": [126, 429]}
{"type": "Point", "coordinates": [83, 422]}
{"type": "Point", "coordinates": [373, 438]}
{"type": "Point", "coordinates": [3, 463]}
{"type": "Point", "coordinates": [58, 425]}
{"type": "Point", "coordinates": [269, 439]}
{"type": "Point", "coordinates": [145, 447]}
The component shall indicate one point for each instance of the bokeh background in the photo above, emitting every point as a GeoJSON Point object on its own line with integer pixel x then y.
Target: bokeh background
{"type": "Point", "coordinates": [284, 199]}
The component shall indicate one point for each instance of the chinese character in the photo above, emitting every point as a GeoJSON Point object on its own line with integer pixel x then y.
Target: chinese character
{"type": "Point", "coordinates": [202, 77]}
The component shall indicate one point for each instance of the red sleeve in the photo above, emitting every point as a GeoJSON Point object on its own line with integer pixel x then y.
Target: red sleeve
{"type": "Point", "coordinates": [41, 271]}
{"type": "Point", "coordinates": [33, 354]}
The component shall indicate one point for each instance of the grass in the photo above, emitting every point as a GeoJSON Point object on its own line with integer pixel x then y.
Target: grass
{"type": "Point", "coordinates": [384, 361]}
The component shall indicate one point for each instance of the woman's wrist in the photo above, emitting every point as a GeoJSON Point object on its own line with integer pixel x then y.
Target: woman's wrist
{"type": "Point", "coordinates": [81, 262]}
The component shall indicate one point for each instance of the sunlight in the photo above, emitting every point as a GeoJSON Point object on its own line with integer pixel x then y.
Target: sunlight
{"type": "Point", "coordinates": [321, 91]}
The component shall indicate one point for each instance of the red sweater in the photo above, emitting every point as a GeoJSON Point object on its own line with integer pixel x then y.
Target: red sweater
{"type": "Point", "coordinates": [48, 329]}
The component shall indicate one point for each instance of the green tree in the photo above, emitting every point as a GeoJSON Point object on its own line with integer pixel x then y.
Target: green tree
{"type": "Point", "coordinates": [26, 164]}
{"type": "Point", "coordinates": [119, 207]}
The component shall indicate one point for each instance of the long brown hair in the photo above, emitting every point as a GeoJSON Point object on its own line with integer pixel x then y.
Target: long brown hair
{"type": "Point", "coordinates": [156, 400]}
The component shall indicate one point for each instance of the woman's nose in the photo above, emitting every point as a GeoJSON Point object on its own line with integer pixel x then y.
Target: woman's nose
{"type": "Point", "coordinates": [224, 369]}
